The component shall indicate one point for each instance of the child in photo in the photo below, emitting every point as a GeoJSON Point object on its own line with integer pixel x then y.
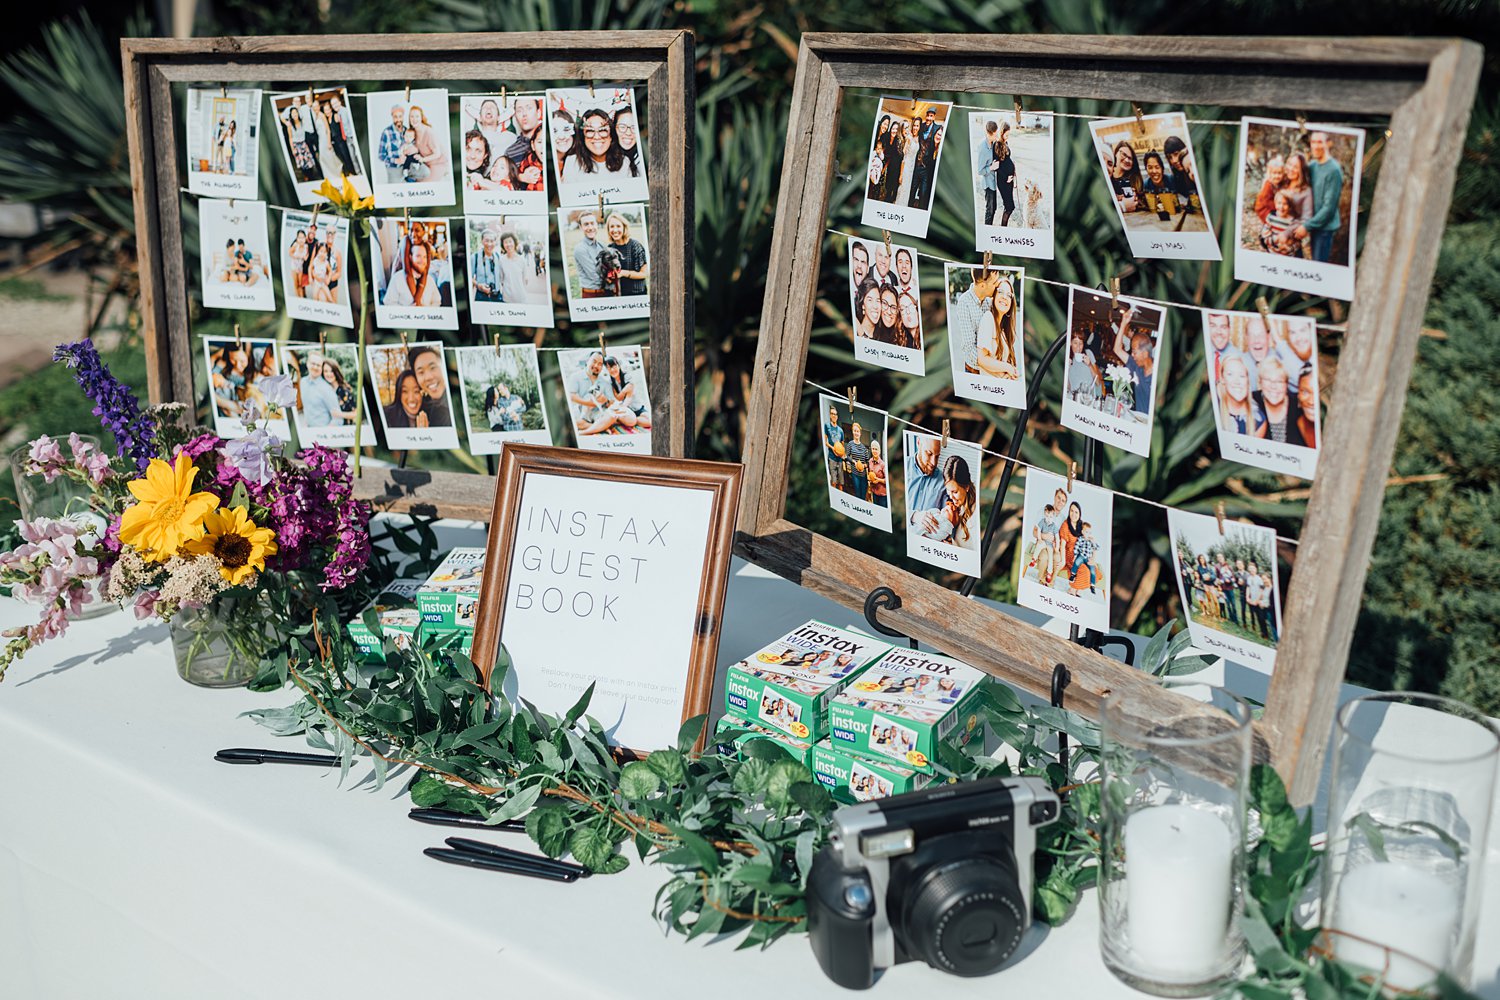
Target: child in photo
{"type": "Point", "coordinates": [412, 167]}
{"type": "Point", "coordinates": [1083, 557]}
{"type": "Point", "coordinates": [1276, 235]}
{"type": "Point", "coordinates": [1044, 544]}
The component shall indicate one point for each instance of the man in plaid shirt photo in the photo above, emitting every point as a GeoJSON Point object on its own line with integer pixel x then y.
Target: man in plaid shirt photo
{"type": "Point", "coordinates": [1083, 555]}
{"type": "Point", "coordinates": [391, 139]}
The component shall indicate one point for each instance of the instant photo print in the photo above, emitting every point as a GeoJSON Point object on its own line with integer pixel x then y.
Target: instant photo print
{"type": "Point", "coordinates": [1263, 380]}
{"type": "Point", "coordinates": [411, 161]}
{"type": "Point", "coordinates": [240, 374]}
{"type": "Point", "coordinates": [885, 305]}
{"type": "Point", "coordinates": [856, 461]}
{"type": "Point", "coordinates": [1011, 162]}
{"type": "Point", "coordinates": [324, 412]}
{"type": "Point", "coordinates": [608, 403]}
{"type": "Point", "coordinates": [1114, 346]}
{"type": "Point", "coordinates": [315, 268]}
{"type": "Point", "coordinates": [1229, 587]}
{"type": "Point", "coordinates": [1066, 541]}
{"type": "Point", "coordinates": [223, 142]}
{"type": "Point", "coordinates": [501, 391]}
{"type": "Point", "coordinates": [943, 522]}
{"type": "Point", "coordinates": [596, 144]}
{"type": "Point", "coordinates": [448, 599]}
{"type": "Point", "coordinates": [734, 732]}
{"type": "Point", "coordinates": [1155, 186]}
{"type": "Point", "coordinates": [986, 333]}
{"type": "Point", "coordinates": [606, 267]}
{"type": "Point", "coordinates": [510, 282]}
{"type": "Point", "coordinates": [416, 405]}
{"type": "Point", "coordinates": [903, 705]}
{"type": "Point", "coordinates": [315, 129]}
{"type": "Point", "coordinates": [235, 248]}
{"type": "Point", "coordinates": [906, 143]}
{"type": "Point", "coordinates": [413, 264]}
{"type": "Point", "coordinates": [503, 145]}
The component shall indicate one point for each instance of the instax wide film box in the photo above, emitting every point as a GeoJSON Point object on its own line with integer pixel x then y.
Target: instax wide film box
{"type": "Point", "coordinates": [786, 686]}
{"type": "Point", "coordinates": [852, 778]}
{"type": "Point", "coordinates": [800, 750]}
{"type": "Point", "coordinates": [396, 609]}
{"type": "Point", "coordinates": [449, 598]}
{"type": "Point", "coordinates": [904, 705]}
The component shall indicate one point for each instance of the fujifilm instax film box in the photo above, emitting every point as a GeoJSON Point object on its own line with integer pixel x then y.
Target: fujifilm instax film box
{"type": "Point", "coordinates": [787, 685]}
{"type": "Point", "coordinates": [449, 599]}
{"type": "Point", "coordinates": [904, 705]}
{"type": "Point", "coordinates": [800, 751]}
{"type": "Point", "coordinates": [852, 778]}
{"type": "Point", "coordinates": [395, 608]}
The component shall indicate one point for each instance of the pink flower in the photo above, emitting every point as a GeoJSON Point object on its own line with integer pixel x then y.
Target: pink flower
{"type": "Point", "coordinates": [145, 603]}
{"type": "Point", "coordinates": [45, 459]}
{"type": "Point", "coordinates": [93, 462]}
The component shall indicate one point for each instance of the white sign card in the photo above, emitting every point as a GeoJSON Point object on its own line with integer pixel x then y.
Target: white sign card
{"type": "Point", "coordinates": [906, 143]}
{"type": "Point", "coordinates": [597, 147]}
{"type": "Point", "coordinates": [501, 391]}
{"type": "Point", "coordinates": [413, 264]}
{"type": "Point", "coordinates": [1011, 160]}
{"type": "Point", "coordinates": [853, 443]}
{"type": "Point", "coordinates": [314, 268]}
{"type": "Point", "coordinates": [237, 367]}
{"type": "Point", "coordinates": [885, 305]}
{"type": "Point", "coordinates": [608, 401]}
{"type": "Point", "coordinates": [510, 278]}
{"type": "Point", "coordinates": [223, 142]}
{"type": "Point", "coordinates": [1263, 380]}
{"type": "Point", "coordinates": [416, 406]}
{"type": "Point", "coordinates": [235, 250]}
{"type": "Point", "coordinates": [324, 411]}
{"type": "Point", "coordinates": [503, 142]}
{"type": "Point", "coordinates": [943, 521]}
{"type": "Point", "coordinates": [1156, 186]}
{"type": "Point", "coordinates": [1228, 585]}
{"type": "Point", "coordinates": [1109, 393]}
{"type": "Point", "coordinates": [1066, 544]}
{"type": "Point", "coordinates": [986, 333]}
{"type": "Point", "coordinates": [410, 150]}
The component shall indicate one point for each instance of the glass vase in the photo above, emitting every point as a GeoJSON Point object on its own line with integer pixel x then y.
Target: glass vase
{"type": "Point", "coordinates": [221, 645]}
{"type": "Point", "coordinates": [1408, 824]}
{"type": "Point", "coordinates": [59, 499]}
{"type": "Point", "coordinates": [1171, 878]}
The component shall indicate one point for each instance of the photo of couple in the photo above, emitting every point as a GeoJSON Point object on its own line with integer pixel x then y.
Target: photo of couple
{"type": "Point", "coordinates": [889, 739]}
{"type": "Point", "coordinates": [1065, 555]}
{"type": "Point", "coordinates": [235, 250]}
{"type": "Point", "coordinates": [510, 281]}
{"type": "Point", "coordinates": [1297, 205]}
{"type": "Point", "coordinates": [1012, 182]}
{"type": "Point", "coordinates": [413, 274]}
{"type": "Point", "coordinates": [1113, 350]}
{"type": "Point", "coordinates": [501, 390]}
{"type": "Point", "coordinates": [245, 383]}
{"type": "Point", "coordinates": [986, 344]}
{"type": "Point", "coordinates": [1153, 179]}
{"type": "Point", "coordinates": [324, 375]}
{"type": "Point", "coordinates": [504, 153]}
{"type": "Point", "coordinates": [885, 303]}
{"type": "Point", "coordinates": [416, 408]}
{"type": "Point", "coordinates": [865, 785]}
{"type": "Point", "coordinates": [313, 268]}
{"type": "Point", "coordinates": [409, 147]}
{"type": "Point", "coordinates": [906, 144]}
{"type": "Point", "coordinates": [777, 712]}
{"type": "Point", "coordinates": [318, 141]}
{"type": "Point", "coordinates": [1264, 383]}
{"type": "Point", "coordinates": [1228, 585]}
{"type": "Point", "coordinates": [606, 267]}
{"type": "Point", "coordinates": [943, 523]}
{"type": "Point", "coordinates": [607, 398]}
{"type": "Point", "coordinates": [223, 142]}
{"type": "Point", "coordinates": [596, 144]}
{"type": "Point", "coordinates": [853, 442]}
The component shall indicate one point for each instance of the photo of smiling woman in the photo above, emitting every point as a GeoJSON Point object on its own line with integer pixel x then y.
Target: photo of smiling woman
{"type": "Point", "coordinates": [596, 145]}
{"type": "Point", "coordinates": [986, 339]}
{"type": "Point", "coordinates": [413, 274]}
{"type": "Point", "coordinates": [606, 268]}
{"type": "Point", "coordinates": [1155, 186]}
{"type": "Point", "coordinates": [324, 409]}
{"type": "Point", "coordinates": [409, 147]}
{"type": "Point", "coordinates": [885, 304]}
{"type": "Point", "coordinates": [1263, 381]}
{"type": "Point", "coordinates": [504, 150]}
{"type": "Point", "coordinates": [416, 406]}
{"type": "Point", "coordinates": [943, 521]}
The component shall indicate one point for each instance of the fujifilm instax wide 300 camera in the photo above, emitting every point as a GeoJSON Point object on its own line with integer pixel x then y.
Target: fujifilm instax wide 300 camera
{"type": "Point", "coordinates": [941, 875]}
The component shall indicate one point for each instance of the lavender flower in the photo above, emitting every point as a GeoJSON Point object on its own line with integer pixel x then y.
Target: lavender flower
{"type": "Point", "coordinates": [278, 390]}
{"type": "Point", "coordinates": [114, 404]}
{"type": "Point", "coordinates": [251, 455]}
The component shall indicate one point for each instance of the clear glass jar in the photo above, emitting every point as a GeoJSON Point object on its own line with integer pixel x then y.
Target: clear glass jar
{"type": "Point", "coordinates": [61, 498]}
{"type": "Point", "coordinates": [220, 645]}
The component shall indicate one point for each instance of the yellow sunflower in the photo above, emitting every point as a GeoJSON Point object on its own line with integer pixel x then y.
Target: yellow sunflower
{"type": "Point", "coordinates": [237, 542]}
{"type": "Point", "coordinates": [168, 512]}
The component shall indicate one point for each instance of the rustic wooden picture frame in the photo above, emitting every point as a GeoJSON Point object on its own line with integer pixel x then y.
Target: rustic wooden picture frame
{"type": "Point", "coordinates": [663, 59]}
{"type": "Point", "coordinates": [1427, 89]}
{"type": "Point", "coordinates": [721, 479]}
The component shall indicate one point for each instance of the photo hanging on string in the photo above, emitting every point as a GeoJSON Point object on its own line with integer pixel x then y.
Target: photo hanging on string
{"type": "Point", "coordinates": [510, 281]}
{"type": "Point", "coordinates": [886, 306]}
{"type": "Point", "coordinates": [608, 402]}
{"type": "Point", "coordinates": [986, 332]}
{"type": "Point", "coordinates": [503, 142]}
{"type": "Point", "coordinates": [1012, 181]}
{"type": "Point", "coordinates": [235, 248]}
{"type": "Point", "coordinates": [1066, 538]}
{"type": "Point", "coordinates": [315, 272]}
{"type": "Point", "coordinates": [501, 391]}
{"type": "Point", "coordinates": [1263, 380]}
{"type": "Point", "coordinates": [325, 377]}
{"type": "Point", "coordinates": [238, 374]}
{"type": "Point", "coordinates": [853, 442]}
{"type": "Point", "coordinates": [315, 129]}
{"type": "Point", "coordinates": [1109, 390]}
{"type": "Point", "coordinates": [906, 143]}
{"type": "Point", "coordinates": [1228, 585]}
{"type": "Point", "coordinates": [410, 150]}
{"type": "Point", "coordinates": [416, 406]}
{"type": "Point", "coordinates": [223, 142]}
{"type": "Point", "coordinates": [943, 518]}
{"type": "Point", "coordinates": [412, 260]}
{"type": "Point", "coordinates": [597, 145]}
{"type": "Point", "coordinates": [606, 267]}
{"type": "Point", "coordinates": [1156, 186]}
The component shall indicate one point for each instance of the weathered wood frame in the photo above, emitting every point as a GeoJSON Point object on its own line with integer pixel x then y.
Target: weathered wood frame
{"type": "Point", "coordinates": [1427, 89]}
{"type": "Point", "coordinates": [664, 59]}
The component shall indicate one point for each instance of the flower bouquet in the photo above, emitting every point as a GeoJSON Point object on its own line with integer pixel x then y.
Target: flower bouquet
{"type": "Point", "coordinates": [1122, 387]}
{"type": "Point", "coordinates": [233, 542]}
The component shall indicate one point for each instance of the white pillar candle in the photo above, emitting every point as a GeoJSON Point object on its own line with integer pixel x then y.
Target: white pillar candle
{"type": "Point", "coordinates": [1178, 890]}
{"type": "Point", "coordinates": [1397, 906]}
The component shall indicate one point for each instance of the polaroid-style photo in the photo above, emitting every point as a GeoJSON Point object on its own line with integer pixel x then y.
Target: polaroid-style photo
{"type": "Point", "coordinates": [1286, 237]}
{"type": "Point", "coordinates": [416, 406]}
{"type": "Point", "coordinates": [503, 143]}
{"type": "Point", "coordinates": [886, 305]}
{"type": "Point", "coordinates": [865, 785]}
{"type": "Point", "coordinates": [778, 712]}
{"type": "Point", "coordinates": [1154, 180]}
{"type": "Point", "coordinates": [325, 375]}
{"type": "Point", "coordinates": [235, 250]}
{"type": "Point", "coordinates": [605, 264]}
{"type": "Point", "coordinates": [501, 391]}
{"type": "Point", "coordinates": [315, 130]}
{"type": "Point", "coordinates": [413, 265]}
{"type": "Point", "coordinates": [853, 441]}
{"type": "Point", "coordinates": [223, 142]}
{"type": "Point", "coordinates": [1263, 380]}
{"type": "Point", "coordinates": [1012, 178]}
{"type": "Point", "coordinates": [596, 144]}
{"type": "Point", "coordinates": [236, 368]}
{"type": "Point", "coordinates": [409, 147]}
{"type": "Point", "coordinates": [943, 523]}
{"type": "Point", "coordinates": [1113, 349]}
{"type": "Point", "coordinates": [510, 277]}
{"type": "Point", "coordinates": [986, 341]}
{"type": "Point", "coordinates": [890, 738]}
{"type": "Point", "coordinates": [1228, 585]}
{"type": "Point", "coordinates": [1065, 558]}
{"type": "Point", "coordinates": [905, 146]}
{"type": "Point", "coordinates": [608, 401]}
{"type": "Point", "coordinates": [315, 266]}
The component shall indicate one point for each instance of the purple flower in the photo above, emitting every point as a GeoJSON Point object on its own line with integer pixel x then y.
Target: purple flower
{"type": "Point", "coordinates": [114, 404]}
{"type": "Point", "coordinates": [196, 448]}
{"type": "Point", "coordinates": [278, 390]}
{"type": "Point", "coordinates": [251, 455]}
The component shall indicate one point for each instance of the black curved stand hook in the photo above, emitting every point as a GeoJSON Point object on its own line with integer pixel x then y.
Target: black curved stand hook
{"type": "Point", "coordinates": [884, 597]}
{"type": "Point", "coordinates": [1060, 679]}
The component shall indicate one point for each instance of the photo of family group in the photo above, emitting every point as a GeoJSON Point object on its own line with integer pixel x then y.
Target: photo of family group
{"type": "Point", "coordinates": [505, 154]}
{"type": "Point", "coordinates": [501, 391]}
{"type": "Point", "coordinates": [235, 255]}
{"type": "Point", "coordinates": [409, 147]}
{"type": "Point", "coordinates": [596, 144]}
{"type": "Point", "coordinates": [891, 739]}
{"type": "Point", "coordinates": [241, 386]}
{"type": "Point", "coordinates": [853, 442]}
{"type": "Point", "coordinates": [411, 384]}
{"type": "Point", "coordinates": [223, 142]}
{"type": "Point", "coordinates": [778, 713]}
{"type": "Point", "coordinates": [1227, 581]}
{"type": "Point", "coordinates": [606, 267]}
{"type": "Point", "coordinates": [929, 690]}
{"type": "Point", "coordinates": [885, 303]}
{"type": "Point", "coordinates": [413, 264]}
{"type": "Point", "coordinates": [314, 280]}
{"type": "Point", "coordinates": [865, 785]}
{"type": "Point", "coordinates": [1012, 181]}
{"type": "Point", "coordinates": [943, 523]}
{"type": "Point", "coordinates": [324, 409]}
{"type": "Point", "coordinates": [1149, 166]}
{"type": "Point", "coordinates": [906, 142]}
{"type": "Point", "coordinates": [986, 344]}
{"type": "Point", "coordinates": [1065, 555]}
{"type": "Point", "coordinates": [1264, 383]}
{"type": "Point", "coordinates": [608, 402]}
{"type": "Point", "coordinates": [1297, 206]}
{"type": "Point", "coordinates": [315, 130]}
{"type": "Point", "coordinates": [510, 281]}
{"type": "Point", "coordinates": [1113, 350]}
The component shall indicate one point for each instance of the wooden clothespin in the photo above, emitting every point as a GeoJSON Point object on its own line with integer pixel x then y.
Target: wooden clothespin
{"type": "Point", "coordinates": [404, 345]}
{"type": "Point", "coordinates": [314, 223]}
{"type": "Point", "coordinates": [502, 220]}
{"type": "Point", "coordinates": [502, 97]}
{"type": "Point", "coordinates": [231, 204]}
{"type": "Point", "coordinates": [407, 217]}
{"type": "Point", "coordinates": [496, 340]}
{"type": "Point", "coordinates": [237, 341]}
{"type": "Point", "coordinates": [311, 97]}
{"type": "Point", "coordinates": [1265, 311]}
{"type": "Point", "coordinates": [591, 88]}
{"type": "Point", "coordinates": [987, 258]}
{"type": "Point", "coordinates": [946, 423]}
{"type": "Point", "coordinates": [408, 93]}
{"type": "Point", "coordinates": [886, 235]}
{"type": "Point", "coordinates": [323, 341]}
{"type": "Point", "coordinates": [1219, 515]}
{"type": "Point", "coordinates": [602, 348]}
{"type": "Point", "coordinates": [601, 209]}
{"type": "Point", "coordinates": [1072, 471]}
{"type": "Point", "coordinates": [851, 402]}
{"type": "Point", "coordinates": [1140, 121]}
{"type": "Point", "coordinates": [223, 90]}
{"type": "Point", "coordinates": [1302, 123]}
{"type": "Point", "coordinates": [1018, 111]}
{"type": "Point", "coordinates": [1114, 293]}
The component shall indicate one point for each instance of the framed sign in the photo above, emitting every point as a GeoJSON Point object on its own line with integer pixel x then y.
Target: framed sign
{"type": "Point", "coordinates": [608, 569]}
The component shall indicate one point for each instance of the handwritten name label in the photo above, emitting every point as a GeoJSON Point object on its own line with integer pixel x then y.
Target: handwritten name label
{"type": "Point", "coordinates": [610, 307]}
{"type": "Point", "coordinates": [939, 552]}
{"type": "Point", "coordinates": [1160, 245]}
{"type": "Point", "coordinates": [1104, 426]}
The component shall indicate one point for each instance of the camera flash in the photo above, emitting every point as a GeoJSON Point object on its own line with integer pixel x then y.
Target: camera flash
{"type": "Point", "coordinates": [887, 843]}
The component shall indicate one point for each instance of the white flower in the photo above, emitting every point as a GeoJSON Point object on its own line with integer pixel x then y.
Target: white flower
{"type": "Point", "coordinates": [279, 390]}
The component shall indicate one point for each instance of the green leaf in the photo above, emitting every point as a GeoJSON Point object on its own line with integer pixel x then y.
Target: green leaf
{"type": "Point", "coordinates": [1054, 899]}
{"type": "Point", "coordinates": [702, 851]}
{"type": "Point", "coordinates": [638, 781]}
{"type": "Point", "coordinates": [580, 706]}
{"type": "Point", "coordinates": [811, 797]}
{"type": "Point", "coordinates": [590, 847]}
{"type": "Point", "coordinates": [784, 774]}
{"type": "Point", "coordinates": [668, 765]}
{"type": "Point", "coordinates": [517, 803]}
{"type": "Point", "coordinates": [429, 792]}
{"type": "Point", "coordinates": [751, 776]}
{"type": "Point", "coordinates": [1153, 657]}
{"type": "Point", "coordinates": [1267, 793]}
{"type": "Point", "coordinates": [240, 496]}
{"type": "Point", "coordinates": [548, 829]}
{"type": "Point", "coordinates": [614, 864]}
{"type": "Point", "coordinates": [687, 735]}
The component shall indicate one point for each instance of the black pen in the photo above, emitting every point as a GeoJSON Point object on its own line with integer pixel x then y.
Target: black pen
{"type": "Point", "coordinates": [444, 817]}
{"type": "Point", "coordinates": [248, 755]}
{"type": "Point", "coordinates": [499, 865]}
{"type": "Point", "coordinates": [509, 854]}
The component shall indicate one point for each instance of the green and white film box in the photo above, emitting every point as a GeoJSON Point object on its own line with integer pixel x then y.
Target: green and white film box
{"type": "Point", "coordinates": [396, 609]}
{"type": "Point", "coordinates": [904, 705]}
{"type": "Point", "coordinates": [748, 731]}
{"type": "Point", "coordinates": [852, 778]}
{"type": "Point", "coordinates": [786, 686]}
{"type": "Point", "coordinates": [449, 598]}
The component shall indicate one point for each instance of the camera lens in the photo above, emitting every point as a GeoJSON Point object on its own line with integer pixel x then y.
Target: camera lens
{"type": "Point", "coordinates": [966, 916]}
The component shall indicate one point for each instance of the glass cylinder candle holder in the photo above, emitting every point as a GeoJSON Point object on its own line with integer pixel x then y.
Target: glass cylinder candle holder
{"type": "Point", "coordinates": [1171, 876]}
{"type": "Point", "coordinates": [1408, 825]}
